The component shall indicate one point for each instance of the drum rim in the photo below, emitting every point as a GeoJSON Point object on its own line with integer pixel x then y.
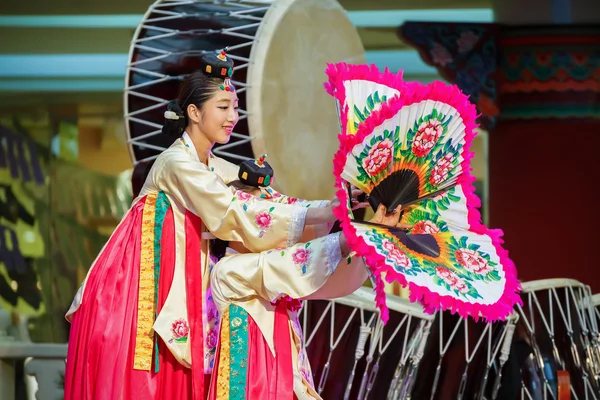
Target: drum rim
{"type": "Point", "coordinates": [254, 77]}
{"type": "Point", "coordinates": [134, 38]}
{"type": "Point", "coordinates": [546, 284]}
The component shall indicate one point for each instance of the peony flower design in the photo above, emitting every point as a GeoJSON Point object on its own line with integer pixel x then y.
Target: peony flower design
{"type": "Point", "coordinates": [396, 255]}
{"type": "Point", "coordinates": [427, 136]}
{"type": "Point", "coordinates": [243, 196]}
{"type": "Point", "coordinates": [300, 258]}
{"type": "Point", "coordinates": [379, 157]}
{"type": "Point", "coordinates": [451, 279]}
{"type": "Point", "coordinates": [180, 330]}
{"type": "Point", "coordinates": [211, 339]}
{"type": "Point", "coordinates": [212, 314]}
{"type": "Point", "coordinates": [264, 220]}
{"type": "Point", "coordinates": [472, 261]}
{"type": "Point", "coordinates": [441, 170]}
{"type": "Point", "coordinates": [466, 41]}
{"type": "Point", "coordinates": [440, 55]}
{"type": "Point", "coordinates": [425, 228]}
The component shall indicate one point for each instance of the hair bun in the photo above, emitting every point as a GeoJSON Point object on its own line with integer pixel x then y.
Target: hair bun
{"type": "Point", "coordinates": [217, 64]}
{"type": "Point", "coordinates": [175, 121]}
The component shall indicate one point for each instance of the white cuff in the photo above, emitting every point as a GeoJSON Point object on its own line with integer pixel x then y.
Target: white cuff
{"type": "Point", "coordinates": [333, 251]}
{"type": "Point", "coordinates": [296, 225]}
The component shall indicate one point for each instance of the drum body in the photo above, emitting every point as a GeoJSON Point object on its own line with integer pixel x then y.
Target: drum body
{"type": "Point", "coordinates": [555, 325]}
{"type": "Point", "coordinates": [280, 49]}
{"type": "Point", "coordinates": [354, 356]}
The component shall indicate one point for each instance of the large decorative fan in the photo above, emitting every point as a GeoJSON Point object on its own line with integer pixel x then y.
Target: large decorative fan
{"type": "Point", "coordinates": [413, 150]}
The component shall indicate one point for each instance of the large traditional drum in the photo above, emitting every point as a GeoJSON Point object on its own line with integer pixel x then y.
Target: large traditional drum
{"type": "Point", "coordinates": [414, 356]}
{"type": "Point", "coordinates": [557, 323]}
{"type": "Point", "coordinates": [280, 48]}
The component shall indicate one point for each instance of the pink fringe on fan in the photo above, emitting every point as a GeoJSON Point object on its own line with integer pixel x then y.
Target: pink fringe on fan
{"type": "Point", "coordinates": [340, 72]}
{"type": "Point", "coordinates": [414, 93]}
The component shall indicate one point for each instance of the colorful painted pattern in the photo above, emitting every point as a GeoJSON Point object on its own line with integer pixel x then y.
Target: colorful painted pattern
{"type": "Point", "coordinates": [435, 162]}
{"type": "Point", "coordinates": [224, 370]}
{"type": "Point", "coordinates": [460, 260]}
{"type": "Point", "coordinates": [155, 210]}
{"type": "Point", "coordinates": [238, 356]}
{"type": "Point", "coordinates": [463, 53]}
{"type": "Point", "coordinates": [162, 205]}
{"type": "Point", "coordinates": [420, 142]}
{"type": "Point", "coordinates": [144, 341]}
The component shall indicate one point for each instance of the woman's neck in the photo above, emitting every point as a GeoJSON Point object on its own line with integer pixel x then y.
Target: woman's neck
{"type": "Point", "coordinates": [202, 145]}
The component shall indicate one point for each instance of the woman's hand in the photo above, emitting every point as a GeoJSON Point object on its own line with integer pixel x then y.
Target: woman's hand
{"type": "Point", "coordinates": [355, 203]}
{"type": "Point", "coordinates": [381, 217]}
{"type": "Point", "coordinates": [392, 219]}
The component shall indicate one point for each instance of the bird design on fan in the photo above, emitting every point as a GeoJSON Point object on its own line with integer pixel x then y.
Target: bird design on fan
{"type": "Point", "coordinates": [412, 150]}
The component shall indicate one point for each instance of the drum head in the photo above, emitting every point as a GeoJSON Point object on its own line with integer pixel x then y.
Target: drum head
{"type": "Point", "coordinates": [290, 116]}
{"type": "Point", "coordinates": [166, 47]}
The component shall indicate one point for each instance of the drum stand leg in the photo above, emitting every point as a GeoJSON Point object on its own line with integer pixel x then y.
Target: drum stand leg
{"type": "Point", "coordinates": [372, 377]}
{"type": "Point", "coordinates": [365, 331]}
{"type": "Point", "coordinates": [463, 383]}
{"type": "Point", "coordinates": [436, 379]}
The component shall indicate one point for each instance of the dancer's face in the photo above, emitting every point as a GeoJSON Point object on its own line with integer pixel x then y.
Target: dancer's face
{"type": "Point", "coordinates": [218, 116]}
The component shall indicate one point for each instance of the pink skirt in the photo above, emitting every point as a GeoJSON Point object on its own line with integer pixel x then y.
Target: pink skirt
{"type": "Point", "coordinates": [103, 332]}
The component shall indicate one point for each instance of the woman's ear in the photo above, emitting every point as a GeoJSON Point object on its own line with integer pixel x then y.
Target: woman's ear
{"type": "Point", "coordinates": [193, 113]}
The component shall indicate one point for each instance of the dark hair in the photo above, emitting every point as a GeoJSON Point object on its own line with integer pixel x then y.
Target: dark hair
{"type": "Point", "coordinates": [195, 89]}
{"type": "Point", "coordinates": [216, 69]}
{"type": "Point", "coordinates": [239, 185]}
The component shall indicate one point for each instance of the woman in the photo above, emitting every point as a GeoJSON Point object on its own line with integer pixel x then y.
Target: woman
{"type": "Point", "coordinates": [142, 314]}
{"type": "Point", "coordinates": [258, 356]}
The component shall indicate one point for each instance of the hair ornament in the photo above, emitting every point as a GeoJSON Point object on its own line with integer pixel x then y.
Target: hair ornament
{"type": "Point", "coordinates": [256, 173]}
{"type": "Point", "coordinates": [261, 161]}
{"type": "Point", "coordinates": [175, 120]}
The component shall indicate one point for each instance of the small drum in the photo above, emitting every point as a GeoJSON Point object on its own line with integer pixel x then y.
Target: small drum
{"type": "Point", "coordinates": [280, 48]}
{"type": "Point", "coordinates": [557, 325]}
{"type": "Point", "coordinates": [592, 305]}
{"type": "Point", "coordinates": [353, 356]}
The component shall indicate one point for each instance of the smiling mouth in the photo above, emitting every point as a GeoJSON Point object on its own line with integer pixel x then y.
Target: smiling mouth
{"type": "Point", "coordinates": [228, 129]}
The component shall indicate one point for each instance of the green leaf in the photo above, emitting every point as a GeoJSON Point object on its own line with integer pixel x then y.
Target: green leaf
{"type": "Point", "coordinates": [282, 253]}
{"type": "Point", "coordinates": [233, 199]}
{"type": "Point", "coordinates": [357, 112]}
{"type": "Point", "coordinates": [453, 198]}
{"type": "Point", "coordinates": [271, 209]}
{"type": "Point", "coordinates": [307, 244]}
{"type": "Point", "coordinates": [463, 241]}
{"type": "Point", "coordinates": [370, 103]}
{"type": "Point", "coordinates": [376, 97]}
